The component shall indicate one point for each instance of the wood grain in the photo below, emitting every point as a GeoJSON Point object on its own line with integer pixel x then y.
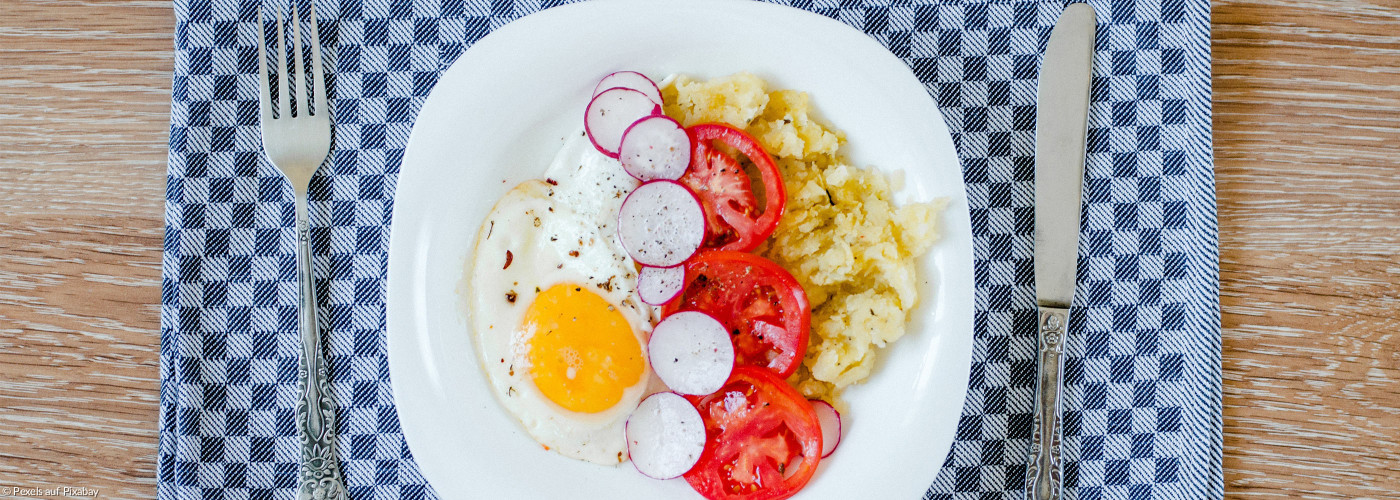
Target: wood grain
{"type": "Point", "coordinates": [84, 116]}
{"type": "Point", "coordinates": [1307, 123]}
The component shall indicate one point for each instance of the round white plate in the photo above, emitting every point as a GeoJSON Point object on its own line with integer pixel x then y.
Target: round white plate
{"type": "Point", "coordinates": [498, 116]}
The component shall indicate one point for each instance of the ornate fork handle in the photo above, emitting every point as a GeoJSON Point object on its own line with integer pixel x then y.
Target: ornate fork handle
{"type": "Point", "coordinates": [1043, 475]}
{"type": "Point", "coordinates": [320, 469]}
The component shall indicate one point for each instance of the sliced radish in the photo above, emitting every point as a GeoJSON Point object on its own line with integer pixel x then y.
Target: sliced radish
{"type": "Point", "coordinates": [611, 112]}
{"type": "Point", "coordinates": [658, 285]}
{"type": "Point", "coordinates": [691, 352]}
{"type": "Point", "coordinates": [630, 80]}
{"type": "Point", "coordinates": [665, 436]}
{"type": "Point", "coordinates": [660, 224]}
{"type": "Point", "coordinates": [655, 147]}
{"type": "Point", "coordinates": [830, 420]}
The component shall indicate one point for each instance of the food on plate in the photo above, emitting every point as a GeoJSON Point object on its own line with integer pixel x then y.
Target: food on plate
{"type": "Point", "coordinates": [830, 420]}
{"type": "Point", "coordinates": [691, 352]}
{"type": "Point", "coordinates": [658, 285]}
{"type": "Point", "coordinates": [688, 258]}
{"type": "Point", "coordinates": [762, 307]}
{"type": "Point", "coordinates": [665, 436]}
{"type": "Point", "coordinates": [611, 112]}
{"type": "Point", "coordinates": [764, 439]}
{"type": "Point", "coordinates": [551, 297]}
{"type": "Point", "coordinates": [854, 253]}
{"type": "Point", "coordinates": [655, 147]}
{"type": "Point", "coordinates": [629, 80]}
{"type": "Point", "coordinates": [660, 223]}
{"type": "Point", "coordinates": [734, 217]}
{"type": "Point", "coordinates": [841, 235]}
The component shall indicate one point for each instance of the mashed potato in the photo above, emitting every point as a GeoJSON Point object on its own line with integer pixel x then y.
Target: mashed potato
{"type": "Point", "coordinates": [841, 235]}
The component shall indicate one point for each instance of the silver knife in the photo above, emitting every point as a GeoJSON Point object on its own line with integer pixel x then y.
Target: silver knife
{"type": "Point", "coordinates": [1061, 129]}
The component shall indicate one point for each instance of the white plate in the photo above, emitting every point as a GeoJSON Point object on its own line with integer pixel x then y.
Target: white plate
{"type": "Point", "coordinates": [500, 113]}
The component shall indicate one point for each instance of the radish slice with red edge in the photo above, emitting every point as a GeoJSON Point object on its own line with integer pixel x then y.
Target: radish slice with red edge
{"type": "Point", "coordinates": [611, 112]}
{"type": "Point", "coordinates": [691, 352]}
{"type": "Point", "coordinates": [830, 420]}
{"type": "Point", "coordinates": [665, 436]}
{"type": "Point", "coordinates": [630, 80]}
{"type": "Point", "coordinates": [660, 224]}
{"type": "Point", "coordinates": [658, 285]}
{"type": "Point", "coordinates": [655, 147]}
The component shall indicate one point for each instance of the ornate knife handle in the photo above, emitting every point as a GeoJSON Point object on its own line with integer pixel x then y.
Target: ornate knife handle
{"type": "Point", "coordinates": [320, 469]}
{"type": "Point", "coordinates": [1043, 475]}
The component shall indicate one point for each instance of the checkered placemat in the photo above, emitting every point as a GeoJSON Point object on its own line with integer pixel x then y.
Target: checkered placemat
{"type": "Point", "coordinates": [1143, 374]}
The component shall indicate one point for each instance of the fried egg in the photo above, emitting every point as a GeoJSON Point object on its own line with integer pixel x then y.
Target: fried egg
{"type": "Point", "coordinates": [550, 294]}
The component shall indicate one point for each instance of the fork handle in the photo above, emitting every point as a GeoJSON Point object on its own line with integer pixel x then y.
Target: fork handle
{"type": "Point", "coordinates": [320, 469]}
{"type": "Point", "coordinates": [1044, 475]}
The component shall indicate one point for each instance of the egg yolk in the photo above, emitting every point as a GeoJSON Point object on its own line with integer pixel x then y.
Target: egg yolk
{"type": "Point", "coordinates": [582, 352]}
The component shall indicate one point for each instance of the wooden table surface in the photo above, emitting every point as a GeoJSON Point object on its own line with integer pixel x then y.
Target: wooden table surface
{"type": "Point", "coordinates": [1307, 145]}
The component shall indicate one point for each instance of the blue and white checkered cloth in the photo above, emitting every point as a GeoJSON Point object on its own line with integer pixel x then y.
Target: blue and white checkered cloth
{"type": "Point", "coordinates": [1143, 375]}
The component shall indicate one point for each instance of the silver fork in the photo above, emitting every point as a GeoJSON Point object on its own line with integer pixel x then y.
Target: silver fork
{"type": "Point", "coordinates": [297, 145]}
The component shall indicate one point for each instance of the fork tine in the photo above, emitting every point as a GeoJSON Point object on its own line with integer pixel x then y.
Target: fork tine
{"type": "Point", "coordinates": [264, 89]}
{"type": "Point", "coordinates": [318, 78]}
{"type": "Point", "coordinates": [301, 99]}
{"type": "Point", "coordinates": [284, 98]}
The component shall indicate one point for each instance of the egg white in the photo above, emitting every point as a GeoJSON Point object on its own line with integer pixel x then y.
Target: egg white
{"type": "Point", "coordinates": [557, 230]}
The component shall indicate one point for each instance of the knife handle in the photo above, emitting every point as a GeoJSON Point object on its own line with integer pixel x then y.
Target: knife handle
{"type": "Point", "coordinates": [1043, 475]}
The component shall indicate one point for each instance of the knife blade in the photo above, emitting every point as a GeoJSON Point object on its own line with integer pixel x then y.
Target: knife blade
{"type": "Point", "coordinates": [1061, 130]}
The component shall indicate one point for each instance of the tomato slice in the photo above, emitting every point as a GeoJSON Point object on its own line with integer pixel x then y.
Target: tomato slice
{"type": "Point", "coordinates": [762, 306]}
{"type": "Point", "coordinates": [763, 440]}
{"type": "Point", "coordinates": [733, 218]}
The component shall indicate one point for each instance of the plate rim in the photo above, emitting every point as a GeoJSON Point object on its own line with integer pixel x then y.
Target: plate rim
{"type": "Point", "coordinates": [397, 238]}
